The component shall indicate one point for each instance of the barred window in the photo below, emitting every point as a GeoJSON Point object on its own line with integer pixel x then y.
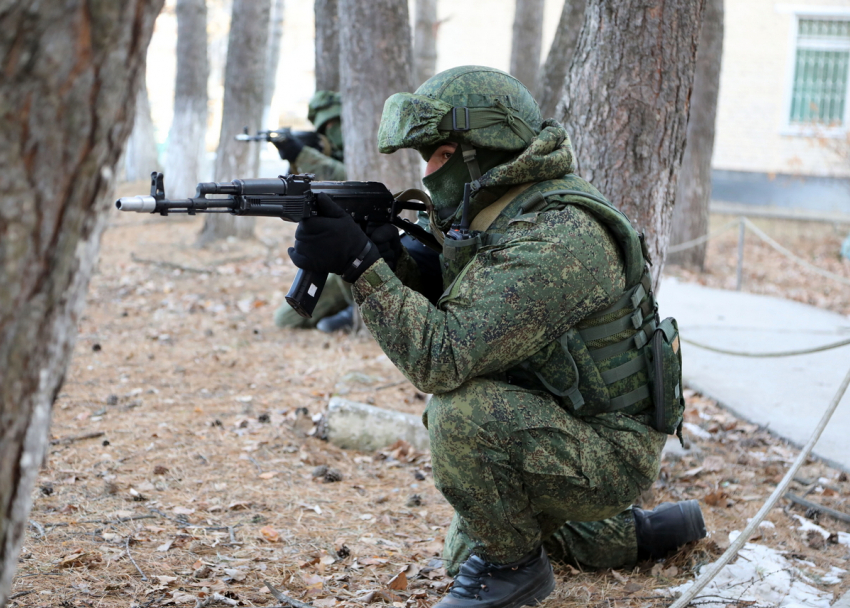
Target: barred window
{"type": "Point", "coordinates": [819, 93]}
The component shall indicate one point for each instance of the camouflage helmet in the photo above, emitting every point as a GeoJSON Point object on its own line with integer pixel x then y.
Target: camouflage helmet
{"type": "Point", "coordinates": [324, 106]}
{"type": "Point", "coordinates": [473, 105]}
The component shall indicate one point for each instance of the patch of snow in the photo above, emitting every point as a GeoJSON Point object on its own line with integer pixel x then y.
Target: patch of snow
{"type": "Point", "coordinates": [806, 525]}
{"type": "Point", "coordinates": [761, 575]}
{"type": "Point", "coordinates": [844, 538]}
{"type": "Point", "coordinates": [834, 576]}
{"type": "Point", "coordinates": [767, 524]}
{"type": "Point", "coordinates": [696, 430]}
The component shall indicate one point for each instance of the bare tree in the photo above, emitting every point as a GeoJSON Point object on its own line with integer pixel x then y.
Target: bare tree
{"type": "Point", "coordinates": [272, 61]}
{"type": "Point", "coordinates": [140, 155]}
{"type": "Point", "coordinates": [690, 215]}
{"type": "Point", "coordinates": [186, 141]}
{"type": "Point", "coordinates": [553, 73]}
{"type": "Point", "coordinates": [626, 106]}
{"type": "Point", "coordinates": [71, 70]}
{"type": "Point", "coordinates": [425, 41]}
{"type": "Point", "coordinates": [244, 83]}
{"type": "Point", "coordinates": [527, 41]}
{"type": "Point", "coordinates": [327, 45]}
{"type": "Point", "coordinates": [369, 74]}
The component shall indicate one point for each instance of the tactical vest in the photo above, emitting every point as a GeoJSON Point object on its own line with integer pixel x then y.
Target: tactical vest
{"type": "Point", "coordinates": [620, 359]}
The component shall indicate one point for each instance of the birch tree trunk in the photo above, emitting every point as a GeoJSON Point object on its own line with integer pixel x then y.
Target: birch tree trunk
{"type": "Point", "coordinates": [244, 84]}
{"type": "Point", "coordinates": [272, 61]}
{"type": "Point", "coordinates": [369, 74]}
{"type": "Point", "coordinates": [425, 41]}
{"type": "Point", "coordinates": [527, 41]}
{"type": "Point", "coordinates": [140, 157]}
{"type": "Point", "coordinates": [626, 103]}
{"type": "Point", "coordinates": [71, 72]}
{"type": "Point", "coordinates": [186, 141]}
{"type": "Point", "coordinates": [327, 45]}
{"type": "Point", "coordinates": [690, 215]}
{"type": "Point", "coordinates": [553, 73]}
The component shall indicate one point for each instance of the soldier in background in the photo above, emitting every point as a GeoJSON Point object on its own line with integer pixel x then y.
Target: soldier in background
{"type": "Point", "coordinates": [335, 309]}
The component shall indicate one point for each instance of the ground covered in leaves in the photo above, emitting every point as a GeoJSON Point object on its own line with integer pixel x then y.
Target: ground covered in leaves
{"type": "Point", "coordinates": [183, 467]}
{"type": "Point", "coordinates": [768, 272]}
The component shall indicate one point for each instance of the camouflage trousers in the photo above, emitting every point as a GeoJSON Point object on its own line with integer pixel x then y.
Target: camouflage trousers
{"type": "Point", "coordinates": [520, 471]}
{"type": "Point", "coordinates": [335, 296]}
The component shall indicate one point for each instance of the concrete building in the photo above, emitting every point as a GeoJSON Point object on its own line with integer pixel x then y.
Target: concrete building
{"type": "Point", "coordinates": [783, 112]}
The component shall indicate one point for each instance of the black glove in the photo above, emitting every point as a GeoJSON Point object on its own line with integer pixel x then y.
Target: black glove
{"type": "Point", "coordinates": [387, 240]}
{"type": "Point", "coordinates": [332, 242]}
{"type": "Point", "coordinates": [288, 147]}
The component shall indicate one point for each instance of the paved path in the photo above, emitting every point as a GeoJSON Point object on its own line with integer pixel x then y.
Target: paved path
{"type": "Point", "coordinates": [788, 394]}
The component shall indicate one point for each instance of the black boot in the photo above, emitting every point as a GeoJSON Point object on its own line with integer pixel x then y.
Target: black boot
{"type": "Point", "coordinates": [344, 319]}
{"type": "Point", "coordinates": [667, 527]}
{"type": "Point", "coordinates": [480, 584]}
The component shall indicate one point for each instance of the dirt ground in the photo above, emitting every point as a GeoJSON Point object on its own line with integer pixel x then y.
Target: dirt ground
{"type": "Point", "coordinates": [181, 464]}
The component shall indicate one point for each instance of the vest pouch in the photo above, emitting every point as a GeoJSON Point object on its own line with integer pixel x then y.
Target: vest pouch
{"type": "Point", "coordinates": [456, 256]}
{"type": "Point", "coordinates": [664, 361]}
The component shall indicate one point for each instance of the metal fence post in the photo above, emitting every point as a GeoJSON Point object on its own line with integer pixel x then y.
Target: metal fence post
{"type": "Point", "coordinates": [740, 272]}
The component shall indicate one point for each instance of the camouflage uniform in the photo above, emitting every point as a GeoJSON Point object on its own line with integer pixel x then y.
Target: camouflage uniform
{"type": "Point", "coordinates": [324, 107]}
{"type": "Point", "coordinates": [520, 466]}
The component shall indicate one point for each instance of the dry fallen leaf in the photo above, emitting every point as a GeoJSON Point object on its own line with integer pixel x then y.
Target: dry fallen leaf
{"type": "Point", "coordinates": [314, 584]}
{"type": "Point", "coordinates": [270, 534]}
{"type": "Point", "coordinates": [267, 475]}
{"type": "Point", "coordinates": [398, 582]}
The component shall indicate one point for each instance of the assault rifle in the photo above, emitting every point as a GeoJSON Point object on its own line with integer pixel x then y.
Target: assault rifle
{"type": "Point", "coordinates": [292, 198]}
{"type": "Point", "coordinates": [276, 136]}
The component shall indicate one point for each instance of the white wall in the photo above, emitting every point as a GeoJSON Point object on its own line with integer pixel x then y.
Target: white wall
{"type": "Point", "coordinates": [755, 78]}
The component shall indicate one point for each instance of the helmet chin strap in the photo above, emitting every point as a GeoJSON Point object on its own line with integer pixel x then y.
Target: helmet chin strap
{"type": "Point", "coordinates": [469, 157]}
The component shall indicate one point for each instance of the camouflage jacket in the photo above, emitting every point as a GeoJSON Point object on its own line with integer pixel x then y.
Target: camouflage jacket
{"type": "Point", "coordinates": [541, 274]}
{"type": "Point", "coordinates": [324, 167]}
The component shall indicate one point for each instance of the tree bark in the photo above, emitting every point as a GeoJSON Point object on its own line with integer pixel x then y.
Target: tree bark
{"type": "Point", "coordinates": [141, 156]}
{"type": "Point", "coordinates": [690, 215]}
{"type": "Point", "coordinates": [527, 41]}
{"type": "Point", "coordinates": [369, 74]}
{"type": "Point", "coordinates": [626, 103]}
{"type": "Point", "coordinates": [553, 73]}
{"type": "Point", "coordinates": [272, 61]}
{"type": "Point", "coordinates": [71, 70]}
{"type": "Point", "coordinates": [425, 41]}
{"type": "Point", "coordinates": [244, 83]}
{"type": "Point", "coordinates": [327, 45]}
{"type": "Point", "coordinates": [186, 141]}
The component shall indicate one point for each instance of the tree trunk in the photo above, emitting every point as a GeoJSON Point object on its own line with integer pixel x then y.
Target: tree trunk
{"type": "Point", "coordinates": [626, 106]}
{"type": "Point", "coordinates": [141, 156]}
{"type": "Point", "coordinates": [71, 70]}
{"type": "Point", "coordinates": [369, 74]}
{"type": "Point", "coordinates": [327, 45]}
{"type": "Point", "coordinates": [272, 61]}
{"type": "Point", "coordinates": [425, 41]}
{"type": "Point", "coordinates": [553, 73]}
{"type": "Point", "coordinates": [186, 141]}
{"type": "Point", "coordinates": [690, 215]}
{"type": "Point", "coordinates": [244, 83]}
{"type": "Point", "coordinates": [527, 41]}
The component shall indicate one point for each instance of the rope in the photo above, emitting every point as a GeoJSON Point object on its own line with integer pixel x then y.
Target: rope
{"type": "Point", "coordinates": [825, 273]}
{"type": "Point", "coordinates": [702, 239]}
{"type": "Point", "coordinates": [787, 353]}
{"type": "Point", "coordinates": [764, 237]}
{"type": "Point", "coordinates": [713, 569]}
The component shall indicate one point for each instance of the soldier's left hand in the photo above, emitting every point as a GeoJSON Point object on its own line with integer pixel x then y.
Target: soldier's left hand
{"type": "Point", "coordinates": [332, 242]}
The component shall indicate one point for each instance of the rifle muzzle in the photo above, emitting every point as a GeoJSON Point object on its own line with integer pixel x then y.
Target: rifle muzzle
{"type": "Point", "coordinates": [141, 204]}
